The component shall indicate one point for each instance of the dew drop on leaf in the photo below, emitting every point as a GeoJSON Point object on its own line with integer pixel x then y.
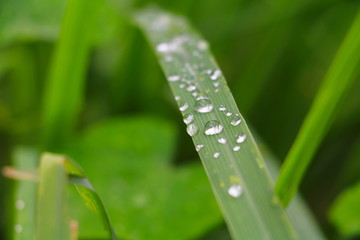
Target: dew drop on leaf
{"type": "Point", "coordinates": [199, 147]}
{"type": "Point", "coordinates": [236, 120]}
{"type": "Point", "coordinates": [188, 118]}
{"type": "Point", "coordinates": [235, 190]}
{"type": "Point", "coordinates": [192, 129]}
{"type": "Point", "coordinates": [183, 106]}
{"type": "Point", "coordinates": [236, 148]}
{"type": "Point", "coordinates": [241, 138]}
{"type": "Point", "coordinates": [173, 78]}
{"type": "Point", "coordinates": [222, 140]}
{"type": "Point", "coordinates": [213, 127]}
{"type": "Point", "coordinates": [216, 155]}
{"type": "Point", "coordinates": [20, 204]}
{"type": "Point", "coordinates": [203, 106]}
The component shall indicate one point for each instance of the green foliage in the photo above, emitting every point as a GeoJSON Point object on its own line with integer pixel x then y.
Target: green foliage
{"type": "Point", "coordinates": [345, 213]}
{"type": "Point", "coordinates": [151, 196]}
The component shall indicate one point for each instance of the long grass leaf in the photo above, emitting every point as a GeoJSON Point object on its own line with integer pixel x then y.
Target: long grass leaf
{"type": "Point", "coordinates": [235, 167]}
{"type": "Point", "coordinates": [338, 80]}
{"type": "Point", "coordinates": [64, 89]}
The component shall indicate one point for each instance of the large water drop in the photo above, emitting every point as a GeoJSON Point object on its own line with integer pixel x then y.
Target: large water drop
{"type": "Point", "coordinates": [235, 190]}
{"type": "Point", "coordinates": [203, 106]}
{"type": "Point", "coordinates": [213, 127]}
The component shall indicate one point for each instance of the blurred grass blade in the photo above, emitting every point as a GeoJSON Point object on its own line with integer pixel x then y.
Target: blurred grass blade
{"type": "Point", "coordinates": [65, 86]}
{"type": "Point", "coordinates": [236, 170]}
{"type": "Point", "coordinates": [88, 193]}
{"type": "Point", "coordinates": [51, 213]}
{"type": "Point", "coordinates": [339, 79]}
{"type": "Point", "coordinates": [25, 191]}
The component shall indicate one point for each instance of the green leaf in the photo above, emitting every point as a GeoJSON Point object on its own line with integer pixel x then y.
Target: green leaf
{"type": "Point", "coordinates": [236, 170]}
{"type": "Point", "coordinates": [339, 79]}
{"type": "Point", "coordinates": [52, 220]}
{"type": "Point", "coordinates": [147, 197]}
{"type": "Point", "coordinates": [345, 213]}
{"type": "Point", "coordinates": [24, 159]}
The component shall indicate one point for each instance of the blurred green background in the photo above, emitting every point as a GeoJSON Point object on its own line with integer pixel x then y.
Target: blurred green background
{"type": "Point", "coordinates": [274, 55]}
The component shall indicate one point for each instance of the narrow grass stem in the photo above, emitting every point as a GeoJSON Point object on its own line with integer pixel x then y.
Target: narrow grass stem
{"type": "Point", "coordinates": [339, 78]}
{"type": "Point", "coordinates": [65, 85]}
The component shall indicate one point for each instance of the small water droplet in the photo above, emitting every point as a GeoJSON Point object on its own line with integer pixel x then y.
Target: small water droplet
{"type": "Point", "coordinates": [199, 147]}
{"type": "Point", "coordinates": [177, 98]}
{"type": "Point", "coordinates": [241, 138]}
{"type": "Point", "coordinates": [191, 88]}
{"type": "Point", "coordinates": [18, 228]}
{"type": "Point", "coordinates": [202, 45]}
{"type": "Point", "coordinates": [235, 190]}
{"type": "Point", "coordinates": [173, 78]}
{"type": "Point", "coordinates": [213, 127]}
{"type": "Point", "coordinates": [162, 47]}
{"type": "Point", "coordinates": [216, 74]}
{"type": "Point", "coordinates": [222, 108]}
{"type": "Point", "coordinates": [236, 148]}
{"type": "Point", "coordinates": [20, 204]}
{"type": "Point", "coordinates": [216, 155]}
{"type": "Point", "coordinates": [228, 113]}
{"type": "Point", "coordinates": [194, 94]}
{"type": "Point", "coordinates": [201, 96]}
{"type": "Point", "coordinates": [182, 85]}
{"type": "Point", "coordinates": [203, 106]}
{"type": "Point", "coordinates": [236, 120]}
{"type": "Point", "coordinates": [188, 118]}
{"type": "Point", "coordinates": [192, 129]}
{"type": "Point", "coordinates": [183, 106]}
{"type": "Point", "coordinates": [216, 84]}
{"type": "Point", "coordinates": [222, 140]}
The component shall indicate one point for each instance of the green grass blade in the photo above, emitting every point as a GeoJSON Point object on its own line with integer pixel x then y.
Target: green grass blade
{"type": "Point", "coordinates": [51, 213]}
{"type": "Point", "coordinates": [25, 191]}
{"type": "Point", "coordinates": [64, 89]}
{"type": "Point", "coordinates": [339, 79]}
{"type": "Point", "coordinates": [87, 192]}
{"type": "Point", "coordinates": [236, 170]}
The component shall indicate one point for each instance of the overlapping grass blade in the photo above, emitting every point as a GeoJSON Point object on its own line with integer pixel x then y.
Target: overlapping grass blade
{"type": "Point", "coordinates": [339, 79]}
{"type": "Point", "coordinates": [235, 167]}
{"type": "Point", "coordinates": [52, 221]}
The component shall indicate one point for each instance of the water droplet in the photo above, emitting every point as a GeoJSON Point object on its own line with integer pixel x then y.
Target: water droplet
{"type": "Point", "coordinates": [20, 204]}
{"type": "Point", "coordinates": [216, 74]}
{"type": "Point", "coordinates": [228, 113]}
{"type": "Point", "coordinates": [202, 45]}
{"type": "Point", "coordinates": [191, 88]}
{"type": "Point", "coordinates": [177, 98]}
{"type": "Point", "coordinates": [194, 94]}
{"type": "Point", "coordinates": [236, 120]}
{"type": "Point", "coordinates": [182, 85]}
{"type": "Point", "coordinates": [162, 47]}
{"type": "Point", "coordinates": [173, 78]}
{"type": "Point", "coordinates": [18, 228]}
{"type": "Point", "coordinates": [235, 190]}
{"type": "Point", "coordinates": [188, 118]}
{"type": "Point", "coordinates": [199, 147]}
{"type": "Point", "coordinates": [236, 148]}
{"type": "Point", "coordinates": [213, 127]}
{"type": "Point", "coordinates": [241, 138]}
{"type": "Point", "coordinates": [216, 155]}
{"type": "Point", "coordinates": [192, 129]}
{"type": "Point", "coordinates": [216, 84]}
{"type": "Point", "coordinates": [222, 140]}
{"type": "Point", "coordinates": [203, 106]}
{"type": "Point", "coordinates": [183, 106]}
{"type": "Point", "coordinates": [222, 108]}
{"type": "Point", "coordinates": [201, 96]}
